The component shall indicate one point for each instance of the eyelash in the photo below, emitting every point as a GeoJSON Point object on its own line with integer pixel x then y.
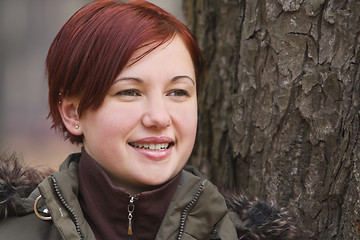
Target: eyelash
{"type": "Point", "coordinates": [179, 93]}
{"type": "Point", "coordinates": [136, 93]}
{"type": "Point", "coordinates": [129, 93]}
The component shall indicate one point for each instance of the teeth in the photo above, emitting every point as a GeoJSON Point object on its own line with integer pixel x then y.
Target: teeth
{"type": "Point", "coordinates": [151, 146]}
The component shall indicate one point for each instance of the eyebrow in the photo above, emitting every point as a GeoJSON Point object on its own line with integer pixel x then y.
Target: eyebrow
{"type": "Point", "coordinates": [127, 78]}
{"type": "Point", "coordinates": [183, 76]}
{"type": "Point", "coordinates": [139, 80]}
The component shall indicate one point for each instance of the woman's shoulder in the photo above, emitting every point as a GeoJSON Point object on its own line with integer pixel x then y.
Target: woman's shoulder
{"type": "Point", "coordinates": [18, 184]}
{"type": "Point", "coordinates": [197, 209]}
{"type": "Point", "coordinates": [29, 227]}
{"type": "Point", "coordinates": [253, 219]}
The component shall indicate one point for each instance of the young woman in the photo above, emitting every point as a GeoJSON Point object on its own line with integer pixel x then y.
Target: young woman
{"type": "Point", "coordinates": [123, 82]}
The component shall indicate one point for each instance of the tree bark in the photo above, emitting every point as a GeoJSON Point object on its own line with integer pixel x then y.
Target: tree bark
{"type": "Point", "coordinates": [279, 105]}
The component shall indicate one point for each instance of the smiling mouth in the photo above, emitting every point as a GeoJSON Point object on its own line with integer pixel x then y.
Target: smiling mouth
{"type": "Point", "coordinates": [152, 146]}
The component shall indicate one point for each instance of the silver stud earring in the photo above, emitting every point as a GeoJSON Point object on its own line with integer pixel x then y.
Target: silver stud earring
{"type": "Point", "coordinates": [77, 126]}
{"type": "Point", "coordinates": [60, 94]}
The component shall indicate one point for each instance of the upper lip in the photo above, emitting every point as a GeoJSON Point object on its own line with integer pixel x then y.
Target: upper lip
{"type": "Point", "coordinates": [148, 140]}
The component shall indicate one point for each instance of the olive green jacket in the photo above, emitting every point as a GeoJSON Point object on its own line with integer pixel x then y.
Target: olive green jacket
{"type": "Point", "coordinates": [197, 211]}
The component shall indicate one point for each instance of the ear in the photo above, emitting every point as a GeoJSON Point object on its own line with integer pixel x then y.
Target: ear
{"type": "Point", "coordinates": [68, 111]}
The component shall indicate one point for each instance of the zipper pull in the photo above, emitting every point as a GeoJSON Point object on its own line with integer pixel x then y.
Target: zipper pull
{"type": "Point", "coordinates": [131, 208]}
{"type": "Point", "coordinates": [130, 232]}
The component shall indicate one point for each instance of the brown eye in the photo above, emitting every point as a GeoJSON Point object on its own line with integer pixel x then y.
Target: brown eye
{"type": "Point", "coordinates": [129, 93]}
{"type": "Point", "coordinates": [179, 93]}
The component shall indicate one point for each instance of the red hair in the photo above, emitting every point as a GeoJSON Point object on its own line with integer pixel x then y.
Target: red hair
{"type": "Point", "coordinates": [96, 43]}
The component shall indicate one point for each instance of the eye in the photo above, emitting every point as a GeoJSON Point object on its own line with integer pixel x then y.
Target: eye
{"type": "Point", "coordinates": [179, 93]}
{"type": "Point", "coordinates": [129, 93]}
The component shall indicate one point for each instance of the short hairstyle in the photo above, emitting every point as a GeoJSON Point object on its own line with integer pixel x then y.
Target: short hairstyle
{"type": "Point", "coordinates": [95, 45]}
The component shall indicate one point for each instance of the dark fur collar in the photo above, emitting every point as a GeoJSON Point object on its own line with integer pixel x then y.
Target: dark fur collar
{"type": "Point", "coordinates": [17, 181]}
{"type": "Point", "coordinates": [259, 220]}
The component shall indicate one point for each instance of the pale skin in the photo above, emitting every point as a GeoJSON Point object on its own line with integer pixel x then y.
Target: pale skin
{"type": "Point", "coordinates": [143, 133]}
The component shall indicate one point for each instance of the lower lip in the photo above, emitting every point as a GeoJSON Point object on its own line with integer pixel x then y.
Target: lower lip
{"type": "Point", "coordinates": [154, 155]}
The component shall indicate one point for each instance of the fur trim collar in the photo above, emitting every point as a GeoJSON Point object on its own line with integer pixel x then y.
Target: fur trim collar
{"type": "Point", "coordinates": [259, 220]}
{"type": "Point", "coordinates": [17, 181]}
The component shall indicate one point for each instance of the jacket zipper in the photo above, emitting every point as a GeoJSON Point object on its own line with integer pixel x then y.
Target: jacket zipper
{"type": "Point", "coordinates": [131, 209]}
{"type": "Point", "coordinates": [184, 213]}
{"type": "Point", "coordinates": [66, 205]}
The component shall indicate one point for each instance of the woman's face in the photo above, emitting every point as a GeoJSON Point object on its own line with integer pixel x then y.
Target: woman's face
{"type": "Point", "coordinates": [144, 132]}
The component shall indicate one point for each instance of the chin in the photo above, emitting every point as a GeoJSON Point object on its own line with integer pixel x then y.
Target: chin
{"type": "Point", "coordinates": [156, 182]}
{"type": "Point", "coordinates": [156, 179]}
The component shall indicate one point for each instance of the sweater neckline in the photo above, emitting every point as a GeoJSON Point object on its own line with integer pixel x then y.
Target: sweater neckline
{"type": "Point", "coordinates": [112, 212]}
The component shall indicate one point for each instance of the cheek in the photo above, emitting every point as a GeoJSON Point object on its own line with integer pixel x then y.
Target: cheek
{"type": "Point", "coordinates": [108, 122]}
{"type": "Point", "coordinates": [187, 121]}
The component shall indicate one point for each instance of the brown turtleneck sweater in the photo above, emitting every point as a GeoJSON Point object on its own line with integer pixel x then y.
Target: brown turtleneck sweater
{"type": "Point", "coordinates": [105, 206]}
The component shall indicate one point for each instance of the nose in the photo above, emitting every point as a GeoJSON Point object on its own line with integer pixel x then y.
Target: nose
{"type": "Point", "coordinates": [156, 115]}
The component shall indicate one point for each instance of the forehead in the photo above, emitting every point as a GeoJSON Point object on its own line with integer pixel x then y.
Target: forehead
{"type": "Point", "coordinates": [156, 47]}
{"type": "Point", "coordinates": [171, 56]}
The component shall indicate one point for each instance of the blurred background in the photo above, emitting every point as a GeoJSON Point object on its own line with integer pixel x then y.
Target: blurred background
{"type": "Point", "coordinates": [27, 28]}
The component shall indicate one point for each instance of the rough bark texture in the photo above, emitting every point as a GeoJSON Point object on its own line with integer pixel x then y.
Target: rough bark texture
{"type": "Point", "coordinates": [280, 103]}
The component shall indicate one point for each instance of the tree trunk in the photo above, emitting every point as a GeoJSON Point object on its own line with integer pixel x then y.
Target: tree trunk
{"type": "Point", "coordinates": [279, 105]}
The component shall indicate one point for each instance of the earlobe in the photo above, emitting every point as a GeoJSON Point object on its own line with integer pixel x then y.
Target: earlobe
{"type": "Point", "coordinates": [69, 114]}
